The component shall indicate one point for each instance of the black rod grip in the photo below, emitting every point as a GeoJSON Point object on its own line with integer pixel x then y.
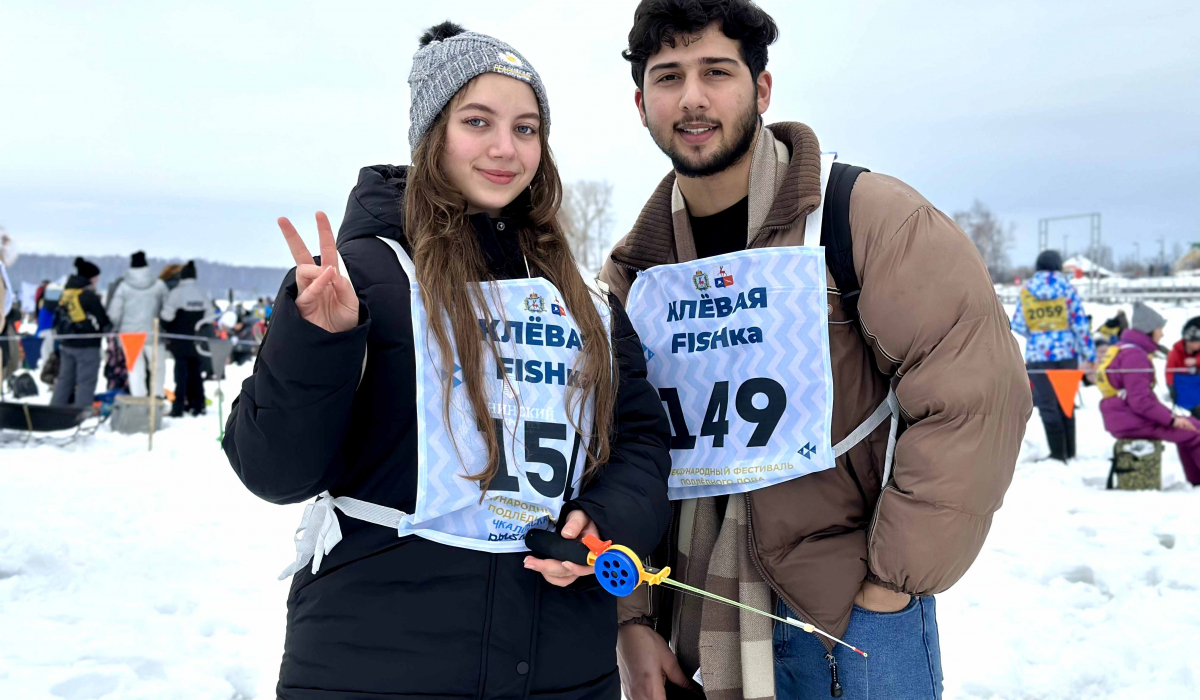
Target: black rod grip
{"type": "Point", "coordinates": [550, 545]}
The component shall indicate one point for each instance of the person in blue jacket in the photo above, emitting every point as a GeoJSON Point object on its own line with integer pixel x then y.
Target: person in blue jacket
{"type": "Point", "coordinates": [1050, 315]}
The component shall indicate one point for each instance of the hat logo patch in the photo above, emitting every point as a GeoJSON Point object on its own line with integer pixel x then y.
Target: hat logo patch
{"type": "Point", "coordinates": [511, 59]}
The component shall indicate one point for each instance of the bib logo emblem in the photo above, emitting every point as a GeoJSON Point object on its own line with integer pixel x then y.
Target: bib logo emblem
{"type": "Point", "coordinates": [535, 304]}
{"type": "Point", "coordinates": [723, 279]}
{"type": "Point", "coordinates": [807, 451]}
{"type": "Point", "coordinates": [557, 309]}
{"type": "Point", "coordinates": [700, 279]}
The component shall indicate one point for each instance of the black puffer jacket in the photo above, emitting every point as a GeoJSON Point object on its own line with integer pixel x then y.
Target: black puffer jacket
{"type": "Point", "coordinates": [390, 617]}
{"type": "Point", "coordinates": [81, 312]}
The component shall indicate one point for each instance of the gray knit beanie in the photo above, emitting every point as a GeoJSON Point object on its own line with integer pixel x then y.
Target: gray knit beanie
{"type": "Point", "coordinates": [1146, 319]}
{"type": "Point", "coordinates": [448, 59]}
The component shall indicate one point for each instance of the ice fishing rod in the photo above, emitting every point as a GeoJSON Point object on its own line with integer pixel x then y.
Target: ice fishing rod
{"type": "Point", "coordinates": [620, 572]}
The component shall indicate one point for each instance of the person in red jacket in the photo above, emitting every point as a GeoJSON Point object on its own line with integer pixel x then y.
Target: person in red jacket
{"type": "Point", "coordinates": [1184, 354]}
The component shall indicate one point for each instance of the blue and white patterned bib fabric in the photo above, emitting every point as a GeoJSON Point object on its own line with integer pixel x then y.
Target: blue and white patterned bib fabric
{"type": "Point", "coordinates": [1075, 340]}
{"type": "Point", "coordinates": [738, 347]}
{"type": "Point", "coordinates": [543, 454]}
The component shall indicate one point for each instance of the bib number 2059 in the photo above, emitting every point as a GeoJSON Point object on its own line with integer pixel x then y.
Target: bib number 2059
{"type": "Point", "coordinates": [716, 421]}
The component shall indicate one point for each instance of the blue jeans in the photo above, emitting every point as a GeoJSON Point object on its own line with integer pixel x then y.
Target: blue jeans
{"type": "Point", "coordinates": [905, 660]}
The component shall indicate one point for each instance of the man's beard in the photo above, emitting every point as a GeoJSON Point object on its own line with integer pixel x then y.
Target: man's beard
{"type": "Point", "coordinates": [743, 140]}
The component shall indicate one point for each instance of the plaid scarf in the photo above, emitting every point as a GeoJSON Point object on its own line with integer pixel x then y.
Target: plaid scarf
{"type": "Point", "coordinates": [731, 647]}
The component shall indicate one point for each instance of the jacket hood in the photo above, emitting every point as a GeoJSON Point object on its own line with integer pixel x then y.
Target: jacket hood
{"type": "Point", "coordinates": [376, 204]}
{"type": "Point", "coordinates": [139, 278]}
{"type": "Point", "coordinates": [1140, 339]}
{"type": "Point", "coordinates": [77, 282]}
{"type": "Point", "coordinates": [1048, 284]}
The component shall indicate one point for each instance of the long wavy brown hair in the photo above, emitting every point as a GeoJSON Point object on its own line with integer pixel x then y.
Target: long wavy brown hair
{"type": "Point", "coordinates": [447, 253]}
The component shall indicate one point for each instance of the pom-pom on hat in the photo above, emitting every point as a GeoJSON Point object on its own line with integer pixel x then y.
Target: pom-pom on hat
{"type": "Point", "coordinates": [450, 57]}
{"type": "Point", "coordinates": [86, 269]}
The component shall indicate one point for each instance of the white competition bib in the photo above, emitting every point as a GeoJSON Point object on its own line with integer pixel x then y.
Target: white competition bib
{"type": "Point", "coordinates": [738, 347]}
{"type": "Point", "coordinates": [543, 455]}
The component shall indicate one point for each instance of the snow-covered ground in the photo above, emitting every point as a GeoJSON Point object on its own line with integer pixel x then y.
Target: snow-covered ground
{"type": "Point", "coordinates": [1081, 592]}
{"type": "Point", "coordinates": [128, 574]}
{"type": "Point", "coordinates": [134, 574]}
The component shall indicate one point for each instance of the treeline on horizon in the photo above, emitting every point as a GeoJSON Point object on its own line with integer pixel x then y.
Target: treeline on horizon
{"type": "Point", "coordinates": [216, 278]}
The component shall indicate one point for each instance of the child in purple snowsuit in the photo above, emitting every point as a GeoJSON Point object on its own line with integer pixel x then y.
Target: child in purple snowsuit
{"type": "Point", "coordinates": [1136, 413]}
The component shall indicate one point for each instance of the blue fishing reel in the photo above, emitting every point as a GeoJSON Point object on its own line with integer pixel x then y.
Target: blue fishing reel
{"type": "Point", "coordinates": [618, 569]}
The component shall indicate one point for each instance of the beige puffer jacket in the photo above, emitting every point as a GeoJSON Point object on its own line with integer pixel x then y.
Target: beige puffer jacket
{"type": "Point", "coordinates": [934, 329]}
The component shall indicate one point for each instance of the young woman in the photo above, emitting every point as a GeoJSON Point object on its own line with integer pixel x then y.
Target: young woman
{"type": "Point", "coordinates": [444, 378]}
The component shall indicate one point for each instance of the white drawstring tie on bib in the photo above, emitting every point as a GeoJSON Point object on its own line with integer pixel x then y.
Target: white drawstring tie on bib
{"type": "Point", "coordinates": [319, 530]}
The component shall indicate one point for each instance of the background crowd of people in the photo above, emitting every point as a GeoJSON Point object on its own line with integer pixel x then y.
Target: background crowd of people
{"type": "Point", "coordinates": [1118, 358]}
{"type": "Point", "coordinates": [62, 334]}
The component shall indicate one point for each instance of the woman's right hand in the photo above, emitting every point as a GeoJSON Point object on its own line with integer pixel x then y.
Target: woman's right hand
{"type": "Point", "coordinates": [324, 297]}
{"type": "Point", "coordinates": [1184, 423]}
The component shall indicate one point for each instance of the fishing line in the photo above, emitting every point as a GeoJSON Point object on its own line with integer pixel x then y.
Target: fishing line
{"type": "Point", "coordinates": [807, 627]}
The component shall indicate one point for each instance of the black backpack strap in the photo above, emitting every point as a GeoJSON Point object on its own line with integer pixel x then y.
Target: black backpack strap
{"type": "Point", "coordinates": [835, 235]}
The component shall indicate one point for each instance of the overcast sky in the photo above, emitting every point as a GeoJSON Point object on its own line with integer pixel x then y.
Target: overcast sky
{"type": "Point", "coordinates": [186, 129]}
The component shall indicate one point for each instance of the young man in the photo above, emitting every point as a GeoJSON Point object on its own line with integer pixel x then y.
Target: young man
{"type": "Point", "coordinates": [859, 547]}
{"type": "Point", "coordinates": [1050, 314]}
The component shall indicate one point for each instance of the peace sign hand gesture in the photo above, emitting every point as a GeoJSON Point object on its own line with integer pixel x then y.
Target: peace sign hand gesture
{"type": "Point", "coordinates": [325, 298]}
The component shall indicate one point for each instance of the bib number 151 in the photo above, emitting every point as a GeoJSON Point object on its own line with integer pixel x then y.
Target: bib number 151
{"type": "Point", "coordinates": [716, 421]}
{"type": "Point", "coordinates": [562, 472]}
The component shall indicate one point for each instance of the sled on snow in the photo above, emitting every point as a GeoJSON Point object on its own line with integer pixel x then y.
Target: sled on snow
{"type": "Point", "coordinates": [39, 424]}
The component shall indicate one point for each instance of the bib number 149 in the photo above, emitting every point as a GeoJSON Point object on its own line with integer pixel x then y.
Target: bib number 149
{"type": "Point", "coordinates": [716, 421]}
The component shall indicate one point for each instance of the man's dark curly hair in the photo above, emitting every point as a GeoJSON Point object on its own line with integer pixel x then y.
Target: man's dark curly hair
{"type": "Point", "coordinates": [658, 23]}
